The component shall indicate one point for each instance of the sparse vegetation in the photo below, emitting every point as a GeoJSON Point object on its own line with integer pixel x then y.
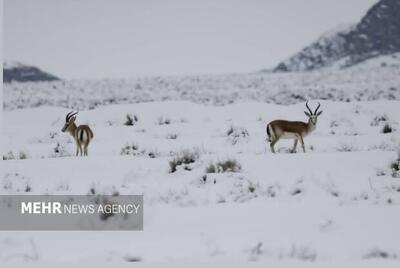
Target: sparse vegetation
{"type": "Point", "coordinates": [184, 157]}
{"type": "Point", "coordinates": [59, 151]}
{"type": "Point", "coordinates": [296, 191]}
{"type": "Point", "coordinates": [28, 188]}
{"type": "Point", "coordinates": [256, 252]}
{"type": "Point", "coordinates": [378, 253]}
{"type": "Point", "coordinates": [133, 149]}
{"type": "Point", "coordinates": [16, 183]}
{"type": "Point", "coordinates": [131, 120]}
{"type": "Point", "coordinates": [378, 120]}
{"type": "Point", "coordinates": [230, 165]}
{"type": "Point", "coordinates": [132, 259]}
{"type": "Point", "coordinates": [163, 121]}
{"type": "Point", "coordinates": [303, 253]}
{"type": "Point", "coordinates": [172, 136]}
{"type": "Point", "coordinates": [130, 149]}
{"type": "Point", "coordinates": [395, 167]}
{"type": "Point", "coordinates": [236, 134]}
{"type": "Point", "coordinates": [10, 156]}
{"type": "Point", "coordinates": [151, 153]}
{"type": "Point", "coordinates": [387, 129]}
{"type": "Point", "coordinates": [346, 148]}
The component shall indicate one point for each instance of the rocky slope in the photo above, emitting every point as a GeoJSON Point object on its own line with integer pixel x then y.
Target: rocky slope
{"type": "Point", "coordinates": [378, 33]}
{"type": "Point", "coordinates": [15, 71]}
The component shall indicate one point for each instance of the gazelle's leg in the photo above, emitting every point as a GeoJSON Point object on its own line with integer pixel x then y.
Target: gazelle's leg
{"type": "Point", "coordinates": [85, 149]}
{"type": "Point", "coordinates": [302, 144]}
{"type": "Point", "coordinates": [77, 148]}
{"type": "Point", "coordinates": [80, 149]}
{"type": "Point", "coordinates": [294, 145]}
{"type": "Point", "coordinates": [272, 145]}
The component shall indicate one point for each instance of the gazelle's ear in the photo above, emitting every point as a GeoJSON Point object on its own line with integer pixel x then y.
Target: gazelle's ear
{"type": "Point", "coordinates": [72, 119]}
{"type": "Point", "coordinates": [319, 113]}
{"type": "Point", "coordinates": [307, 113]}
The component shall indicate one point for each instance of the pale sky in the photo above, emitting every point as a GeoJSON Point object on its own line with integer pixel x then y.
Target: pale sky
{"type": "Point", "coordinates": [129, 38]}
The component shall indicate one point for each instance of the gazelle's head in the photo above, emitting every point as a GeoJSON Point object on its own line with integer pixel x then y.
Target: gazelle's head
{"type": "Point", "coordinates": [69, 121]}
{"type": "Point", "coordinates": [313, 115]}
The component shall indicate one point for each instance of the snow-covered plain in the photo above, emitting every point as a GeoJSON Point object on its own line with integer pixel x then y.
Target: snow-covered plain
{"type": "Point", "coordinates": [337, 204]}
{"type": "Point", "coordinates": [375, 79]}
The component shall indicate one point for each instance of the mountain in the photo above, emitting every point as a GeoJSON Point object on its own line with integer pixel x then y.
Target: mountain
{"type": "Point", "coordinates": [378, 33]}
{"type": "Point", "coordinates": [15, 71]}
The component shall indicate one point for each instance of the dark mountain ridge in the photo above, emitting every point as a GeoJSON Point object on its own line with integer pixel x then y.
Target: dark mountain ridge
{"type": "Point", "coordinates": [19, 72]}
{"type": "Point", "coordinates": [378, 33]}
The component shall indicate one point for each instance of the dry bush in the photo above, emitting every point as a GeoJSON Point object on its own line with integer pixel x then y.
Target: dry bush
{"type": "Point", "coordinates": [163, 121]}
{"type": "Point", "coordinates": [237, 134]}
{"type": "Point", "coordinates": [387, 129]}
{"type": "Point", "coordinates": [378, 120]}
{"type": "Point", "coordinates": [172, 136]}
{"type": "Point", "coordinates": [395, 167]}
{"type": "Point", "coordinates": [184, 157]}
{"type": "Point", "coordinates": [380, 254]}
{"type": "Point", "coordinates": [230, 165]}
{"type": "Point", "coordinates": [130, 149]}
{"type": "Point", "coordinates": [131, 120]}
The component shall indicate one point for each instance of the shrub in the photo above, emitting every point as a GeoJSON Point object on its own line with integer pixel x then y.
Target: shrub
{"type": "Point", "coordinates": [9, 156]}
{"type": "Point", "coordinates": [131, 121]}
{"type": "Point", "coordinates": [395, 167]}
{"type": "Point", "coordinates": [230, 165]}
{"type": "Point", "coordinates": [185, 157]}
{"type": "Point", "coordinates": [378, 253]}
{"type": "Point", "coordinates": [237, 134]}
{"type": "Point", "coordinates": [28, 188]}
{"type": "Point", "coordinates": [303, 253]}
{"type": "Point", "coordinates": [345, 148]}
{"type": "Point", "coordinates": [378, 119]}
{"type": "Point", "coordinates": [133, 149]}
{"type": "Point", "coordinates": [132, 259]}
{"type": "Point", "coordinates": [296, 191]}
{"type": "Point", "coordinates": [387, 129]}
{"type": "Point", "coordinates": [163, 121]}
{"type": "Point", "coordinates": [129, 149]}
{"type": "Point", "coordinates": [59, 151]}
{"type": "Point", "coordinates": [173, 136]}
{"type": "Point", "coordinates": [151, 153]}
{"type": "Point", "coordinates": [256, 251]}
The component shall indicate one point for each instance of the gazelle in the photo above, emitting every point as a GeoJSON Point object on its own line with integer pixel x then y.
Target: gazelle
{"type": "Point", "coordinates": [297, 130]}
{"type": "Point", "coordinates": [82, 134]}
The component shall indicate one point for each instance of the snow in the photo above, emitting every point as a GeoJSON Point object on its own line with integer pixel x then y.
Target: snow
{"type": "Point", "coordinates": [337, 204]}
{"type": "Point", "coordinates": [364, 82]}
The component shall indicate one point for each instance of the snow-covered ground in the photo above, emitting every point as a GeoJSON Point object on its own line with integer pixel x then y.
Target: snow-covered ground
{"type": "Point", "coordinates": [375, 79]}
{"type": "Point", "coordinates": [337, 204]}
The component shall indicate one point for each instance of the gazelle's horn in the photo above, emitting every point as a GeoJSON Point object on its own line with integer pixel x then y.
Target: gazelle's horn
{"type": "Point", "coordinates": [70, 115]}
{"type": "Point", "coordinates": [316, 110]}
{"type": "Point", "coordinates": [308, 108]}
{"type": "Point", "coordinates": [67, 117]}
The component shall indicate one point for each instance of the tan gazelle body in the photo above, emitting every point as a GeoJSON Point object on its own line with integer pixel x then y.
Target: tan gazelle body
{"type": "Point", "coordinates": [82, 134]}
{"type": "Point", "coordinates": [297, 130]}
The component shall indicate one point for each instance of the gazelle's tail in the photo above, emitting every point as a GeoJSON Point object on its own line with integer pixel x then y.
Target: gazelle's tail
{"type": "Point", "coordinates": [268, 133]}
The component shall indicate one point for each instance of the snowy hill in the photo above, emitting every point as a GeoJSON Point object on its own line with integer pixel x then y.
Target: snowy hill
{"type": "Point", "coordinates": [378, 33]}
{"type": "Point", "coordinates": [16, 71]}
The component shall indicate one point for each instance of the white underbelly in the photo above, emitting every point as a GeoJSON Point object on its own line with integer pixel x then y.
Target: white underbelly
{"type": "Point", "coordinates": [289, 136]}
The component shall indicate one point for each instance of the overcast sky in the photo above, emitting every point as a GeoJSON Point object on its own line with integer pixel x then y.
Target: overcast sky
{"type": "Point", "coordinates": [124, 38]}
